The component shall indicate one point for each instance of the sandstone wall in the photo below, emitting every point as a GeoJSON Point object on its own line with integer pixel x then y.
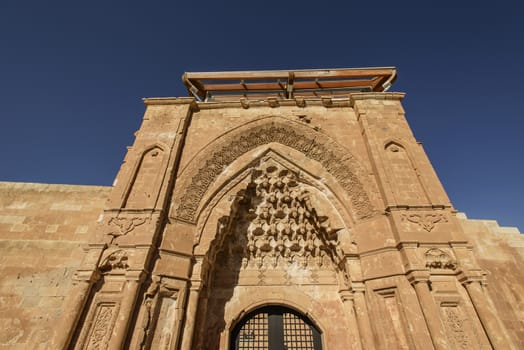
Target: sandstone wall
{"type": "Point", "coordinates": [42, 230]}
{"type": "Point", "coordinates": [500, 252]}
{"type": "Point", "coordinates": [178, 254]}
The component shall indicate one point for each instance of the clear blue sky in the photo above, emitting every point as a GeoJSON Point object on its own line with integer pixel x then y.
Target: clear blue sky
{"type": "Point", "coordinates": [72, 75]}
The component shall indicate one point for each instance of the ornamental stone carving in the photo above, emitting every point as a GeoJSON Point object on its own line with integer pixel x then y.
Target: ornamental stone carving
{"type": "Point", "coordinates": [102, 326]}
{"type": "Point", "coordinates": [122, 226]}
{"type": "Point", "coordinates": [455, 326]}
{"type": "Point", "coordinates": [117, 260]}
{"type": "Point", "coordinates": [439, 259]}
{"type": "Point", "coordinates": [337, 162]}
{"type": "Point", "coordinates": [283, 227]}
{"type": "Point", "coordinates": [427, 221]}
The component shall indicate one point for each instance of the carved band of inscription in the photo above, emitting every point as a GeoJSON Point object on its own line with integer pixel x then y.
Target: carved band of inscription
{"type": "Point", "coordinates": [339, 164]}
{"type": "Point", "coordinates": [426, 221]}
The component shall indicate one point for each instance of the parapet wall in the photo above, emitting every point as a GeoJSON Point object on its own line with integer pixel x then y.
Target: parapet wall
{"type": "Point", "coordinates": [42, 230]}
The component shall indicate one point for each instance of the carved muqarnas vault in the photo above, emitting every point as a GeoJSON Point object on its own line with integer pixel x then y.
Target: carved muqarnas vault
{"type": "Point", "coordinates": [274, 232]}
{"type": "Point", "coordinates": [279, 225]}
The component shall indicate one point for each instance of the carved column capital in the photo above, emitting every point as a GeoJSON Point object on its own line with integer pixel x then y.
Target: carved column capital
{"type": "Point", "coordinates": [468, 277]}
{"type": "Point", "coordinates": [418, 276]}
{"type": "Point", "coordinates": [346, 295]}
{"type": "Point", "coordinates": [358, 287]}
{"type": "Point", "coordinates": [196, 285]}
{"type": "Point", "coordinates": [91, 276]}
{"type": "Point", "coordinates": [136, 275]}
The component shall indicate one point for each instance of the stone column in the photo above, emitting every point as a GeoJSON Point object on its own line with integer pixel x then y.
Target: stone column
{"type": "Point", "coordinates": [347, 300]}
{"type": "Point", "coordinates": [191, 314]}
{"type": "Point", "coordinates": [73, 307]}
{"type": "Point", "coordinates": [488, 317]}
{"type": "Point", "coordinates": [430, 310]}
{"type": "Point", "coordinates": [125, 313]}
{"type": "Point", "coordinates": [364, 324]}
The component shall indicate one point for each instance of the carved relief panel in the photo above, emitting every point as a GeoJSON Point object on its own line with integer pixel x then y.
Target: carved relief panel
{"type": "Point", "coordinates": [101, 327]}
{"type": "Point", "coordinates": [438, 259]}
{"type": "Point", "coordinates": [423, 220]}
{"type": "Point", "coordinates": [460, 331]}
{"type": "Point", "coordinates": [101, 323]}
{"type": "Point", "coordinates": [462, 326]}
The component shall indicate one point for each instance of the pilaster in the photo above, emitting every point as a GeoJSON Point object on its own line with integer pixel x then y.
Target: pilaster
{"type": "Point", "coordinates": [124, 244]}
{"type": "Point", "coordinates": [420, 281]}
{"type": "Point", "coordinates": [495, 330]}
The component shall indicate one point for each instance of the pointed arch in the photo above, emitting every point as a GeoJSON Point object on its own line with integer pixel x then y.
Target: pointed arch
{"type": "Point", "coordinates": [218, 155]}
{"type": "Point", "coordinates": [142, 189]}
{"type": "Point", "coordinates": [404, 174]}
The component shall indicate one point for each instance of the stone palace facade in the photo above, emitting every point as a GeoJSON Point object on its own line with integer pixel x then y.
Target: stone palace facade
{"type": "Point", "coordinates": [268, 210]}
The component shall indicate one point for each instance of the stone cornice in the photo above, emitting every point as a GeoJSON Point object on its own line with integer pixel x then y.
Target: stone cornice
{"type": "Point", "coordinates": [398, 96]}
{"type": "Point", "coordinates": [325, 101]}
{"type": "Point", "coordinates": [168, 100]}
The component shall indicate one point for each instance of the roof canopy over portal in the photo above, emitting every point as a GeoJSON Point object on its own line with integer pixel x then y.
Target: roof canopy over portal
{"type": "Point", "coordinates": [285, 84]}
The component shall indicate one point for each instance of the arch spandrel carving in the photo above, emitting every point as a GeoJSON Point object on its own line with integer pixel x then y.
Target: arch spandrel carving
{"type": "Point", "coordinates": [199, 176]}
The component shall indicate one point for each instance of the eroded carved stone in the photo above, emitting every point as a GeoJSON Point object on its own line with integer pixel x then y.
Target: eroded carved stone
{"type": "Point", "coordinates": [439, 259]}
{"type": "Point", "coordinates": [455, 326]}
{"type": "Point", "coordinates": [425, 220]}
{"type": "Point", "coordinates": [146, 325]}
{"type": "Point", "coordinates": [117, 260]}
{"type": "Point", "coordinates": [102, 326]}
{"type": "Point", "coordinates": [338, 163]}
{"type": "Point", "coordinates": [122, 225]}
{"type": "Point", "coordinates": [158, 319]}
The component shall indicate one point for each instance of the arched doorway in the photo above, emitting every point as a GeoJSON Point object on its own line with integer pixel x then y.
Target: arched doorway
{"type": "Point", "coordinates": [275, 328]}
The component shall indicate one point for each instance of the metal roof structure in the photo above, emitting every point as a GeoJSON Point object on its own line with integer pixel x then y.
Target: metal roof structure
{"type": "Point", "coordinates": [287, 84]}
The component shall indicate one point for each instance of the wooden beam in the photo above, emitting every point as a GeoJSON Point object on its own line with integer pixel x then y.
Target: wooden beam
{"type": "Point", "coordinates": [283, 74]}
{"type": "Point", "coordinates": [337, 84]}
{"type": "Point", "coordinates": [288, 82]}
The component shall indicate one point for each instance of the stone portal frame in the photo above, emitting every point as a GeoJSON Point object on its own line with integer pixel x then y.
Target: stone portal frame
{"type": "Point", "coordinates": [219, 154]}
{"type": "Point", "coordinates": [219, 203]}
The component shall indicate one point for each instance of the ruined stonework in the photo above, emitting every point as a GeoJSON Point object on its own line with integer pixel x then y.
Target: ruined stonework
{"type": "Point", "coordinates": [298, 214]}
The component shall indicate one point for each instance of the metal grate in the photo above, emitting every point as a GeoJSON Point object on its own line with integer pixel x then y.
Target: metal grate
{"type": "Point", "coordinates": [275, 328]}
{"type": "Point", "coordinates": [254, 334]}
{"type": "Point", "coordinates": [297, 334]}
